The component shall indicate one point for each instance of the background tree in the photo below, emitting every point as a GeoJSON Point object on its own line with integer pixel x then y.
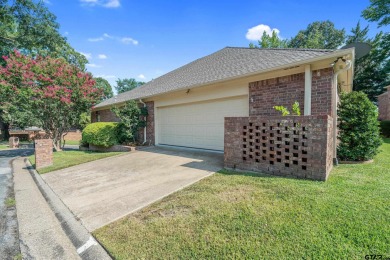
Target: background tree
{"type": "Point", "coordinates": [378, 11]}
{"type": "Point", "coordinates": [56, 91]}
{"type": "Point", "coordinates": [319, 35]}
{"type": "Point", "coordinates": [32, 29]}
{"type": "Point", "coordinates": [105, 86]}
{"type": "Point", "coordinates": [123, 85]}
{"type": "Point", "coordinates": [371, 74]}
{"type": "Point", "coordinates": [272, 41]}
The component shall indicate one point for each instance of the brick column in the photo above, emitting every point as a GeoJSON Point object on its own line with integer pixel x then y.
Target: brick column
{"type": "Point", "coordinates": [13, 142]}
{"type": "Point", "coordinates": [43, 153]}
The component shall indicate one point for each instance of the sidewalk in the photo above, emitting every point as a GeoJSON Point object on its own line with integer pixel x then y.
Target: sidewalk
{"type": "Point", "coordinates": [40, 233]}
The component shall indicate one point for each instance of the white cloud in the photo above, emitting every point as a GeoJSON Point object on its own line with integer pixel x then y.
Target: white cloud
{"type": "Point", "coordinates": [87, 55]}
{"type": "Point", "coordinates": [112, 4]}
{"type": "Point", "coordinates": [47, 2]}
{"type": "Point", "coordinates": [102, 56]}
{"type": "Point", "coordinates": [256, 32]}
{"type": "Point", "coordinates": [141, 76]}
{"type": "Point", "coordinates": [66, 33]}
{"type": "Point", "coordinates": [106, 76]}
{"type": "Point", "coordinates": [128, 40]}
{"type": "Point", "coordinates": [103, 3]}
{"type": "Point", "coordinates": [96, 39]}
{"type": "Point", "coordinates": [124, 40]}
{"type": "Point", "coordinates": [93, 65]}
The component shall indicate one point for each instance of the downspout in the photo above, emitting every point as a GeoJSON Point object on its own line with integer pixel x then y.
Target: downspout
{"type": "Point", "coordinates": [334, 109]}
{"type": "Point", "coordinates": [140, 100]}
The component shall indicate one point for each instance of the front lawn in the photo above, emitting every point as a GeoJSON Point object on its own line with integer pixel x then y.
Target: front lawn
{"type": "Point", "coordinates": [72, 142]}
{"type": "Point", "coordinates": [231, 215]}
{"type": "Point", "coordinates": [67, 159]}
{"type": "Point", "coordinates": [3, 145]}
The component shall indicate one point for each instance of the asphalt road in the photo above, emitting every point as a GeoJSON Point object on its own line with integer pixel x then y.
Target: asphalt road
{"type": "Point", "coordinates": [9, 239]}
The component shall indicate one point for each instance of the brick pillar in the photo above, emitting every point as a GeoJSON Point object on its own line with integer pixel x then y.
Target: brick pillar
{"type": "Point", "coordinates": [13, 142]}
{"type": "Point", "coordinates": [43, 153]}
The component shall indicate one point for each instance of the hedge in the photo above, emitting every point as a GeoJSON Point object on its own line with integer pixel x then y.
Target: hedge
{"type": "Point", "coordinates": [101, 134]}
{"type": "Point", "coordinates": [385, 128]}
{"type": "Point", "coordinates": [359, 133]}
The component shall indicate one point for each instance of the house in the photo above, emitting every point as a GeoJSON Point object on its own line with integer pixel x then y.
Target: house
{"type": "Point", "coordinates": [193, 105]}
{"type": "Point", "coordinates": [384, 105]}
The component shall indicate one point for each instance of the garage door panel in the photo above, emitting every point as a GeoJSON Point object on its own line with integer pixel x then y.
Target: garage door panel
{"type": "Point", "coordinates": [198, 125]}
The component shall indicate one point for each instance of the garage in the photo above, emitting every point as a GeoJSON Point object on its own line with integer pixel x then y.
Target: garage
{"type": "Point", "coordinates": [198, 125]}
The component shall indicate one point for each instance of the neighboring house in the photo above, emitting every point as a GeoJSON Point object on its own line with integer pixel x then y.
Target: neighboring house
{"type": "Point", "coordinates": [384, 105]}
{"type": "Point", "coordinates": [188, 106]}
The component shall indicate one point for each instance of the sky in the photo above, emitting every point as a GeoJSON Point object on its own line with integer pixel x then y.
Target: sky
{"type": "Point", "coordinates": [146, 39]}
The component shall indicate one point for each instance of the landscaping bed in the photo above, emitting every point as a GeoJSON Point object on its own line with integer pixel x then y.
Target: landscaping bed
{"type": "Point", "coordinates": [67, 159]}
{"type": "Point", "coordinates": [237, 215]}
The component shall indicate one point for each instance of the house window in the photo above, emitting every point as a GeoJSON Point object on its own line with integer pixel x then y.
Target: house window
{"type": "Point", "coordinates": [97, 116]}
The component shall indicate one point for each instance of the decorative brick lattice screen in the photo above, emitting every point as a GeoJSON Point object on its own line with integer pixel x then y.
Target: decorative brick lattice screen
{"type": "Point", "coordinates": [43, 153]}
{"type": "Point", "coordinates": [288, 146]}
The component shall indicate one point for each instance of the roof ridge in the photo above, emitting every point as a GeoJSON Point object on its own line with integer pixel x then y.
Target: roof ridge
{"type": "Point", "coordinates": [285, 49]}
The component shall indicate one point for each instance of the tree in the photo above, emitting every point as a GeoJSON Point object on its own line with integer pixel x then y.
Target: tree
{"type": "Point", "coordinates": [358, 127]}
{"type": "Point", "coordinates": [123, 85]}
{"type": "Point", "coordinates": [371, 71]}
{"type": "Point", "coordinates": [378, 11]}
{"type": "Point", "coordinates": [51, 91]}
{"type": "Point", "coordinates": [105, 86]}
{"type": "Point", "coordinates": [272, 41]}
{"type": "Point", "coordinates": [130, 121]}
{"type": "Point", "coordinates": [32, 29]}
{"type": "Point", "coordinates": [318, 35]}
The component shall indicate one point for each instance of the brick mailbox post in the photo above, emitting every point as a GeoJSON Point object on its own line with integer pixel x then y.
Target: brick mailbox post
{"type": "Point", "coordinates": [43, 153]}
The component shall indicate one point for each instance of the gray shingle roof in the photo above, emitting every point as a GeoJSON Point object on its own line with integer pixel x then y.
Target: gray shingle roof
{"type": "Point", "coordinates": [227, 63]}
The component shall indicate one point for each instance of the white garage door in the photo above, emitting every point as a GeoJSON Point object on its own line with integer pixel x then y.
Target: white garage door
{"type": "Point", "coordinates": [198, 125]}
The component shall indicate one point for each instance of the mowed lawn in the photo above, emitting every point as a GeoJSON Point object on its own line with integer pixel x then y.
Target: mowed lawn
{"type": "Point", "coordinates": [231, 215]}
{"type": "Point", "coordinates": [68, 158]}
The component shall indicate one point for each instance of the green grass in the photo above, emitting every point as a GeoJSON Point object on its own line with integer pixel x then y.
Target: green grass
{"type": "Point", "coordinates": [67, 159]}
{"type": "Point", "coordinates": [232, 215]}
{"type": "Point", "coordinates": [10, 202]}
{"type": "Point", "coordinates": [72, 142]}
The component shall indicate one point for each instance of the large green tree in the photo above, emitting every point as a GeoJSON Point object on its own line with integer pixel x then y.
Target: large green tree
{"type": "Point", "coordinates": [378, 11]}
{"type": "Point", "coordinates": [103, 84]}
{"type": "Point", "coordinates": [371, 72]}
{"type": "Point", "coordinates": [31, 28]}
{"type": "Point", "coordinates": [123, 85]}
{"type": "Point", "coordinates": [270, 41]}
{"type": "Point", "coordinates": [319, 35]}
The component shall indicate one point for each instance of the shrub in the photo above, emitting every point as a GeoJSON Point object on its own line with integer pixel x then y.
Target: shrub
{"type": "Point", "coordinates": [130, 121]}
{"type": "Point", "coordinates": [101, 134]}
{"type": "Point", "coordinates": [385, 128]}
{"type": "Point", "coordinates": [358, 127]}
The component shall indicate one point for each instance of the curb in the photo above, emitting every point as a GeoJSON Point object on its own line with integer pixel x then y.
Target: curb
{"type": "Point", "coordinates": [87, 246]}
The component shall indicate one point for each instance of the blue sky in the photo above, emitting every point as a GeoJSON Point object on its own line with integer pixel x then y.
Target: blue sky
{"type": "Point", "coordinates": [146, 39]}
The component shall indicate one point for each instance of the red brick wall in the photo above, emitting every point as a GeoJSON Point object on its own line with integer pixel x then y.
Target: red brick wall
{"type": "Point", "coordinates": [288, 146]}
{"type": "Point", "coordinates": [108, 116]}
{"type": "Point", "coordinates": [384, 106]}
{"type": "Point", "coordinates": [105, 116]}
{"type": "Point", "coordinates": [284, 91]}
{"type": "Point", "coordinates": [43, 153]}
{"type": "Point", "coordinates": [150, 139]}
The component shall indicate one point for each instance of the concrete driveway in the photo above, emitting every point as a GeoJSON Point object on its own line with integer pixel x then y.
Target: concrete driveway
{"type": "Point", "coordinates": [103, 191]}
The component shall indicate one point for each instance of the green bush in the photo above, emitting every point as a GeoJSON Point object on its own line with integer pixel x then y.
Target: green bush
{"type": "Point", "coordinates": [358, 127]}
{"type": "Point", "coordinates": [385, 128]}
{"type": "Point", "coordinates": [101, 134]}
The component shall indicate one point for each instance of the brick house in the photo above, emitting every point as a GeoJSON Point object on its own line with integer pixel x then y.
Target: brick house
{"type": "Point", "coordinates": [384, 105]}
{"type": "Point", "coordinates": [224, 102]}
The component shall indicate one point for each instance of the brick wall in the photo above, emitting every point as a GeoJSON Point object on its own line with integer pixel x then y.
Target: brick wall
{"type": "Point", "coordinates": [149, 125]}
{"type": "Point", "coordinates": [384, 106]}
{"type": "Point", "coordinates": [284, 91]}
{"type": "Point", "coordinates": [73, 136]}
{"type": "Point", "coordinates": [288, 146]}
{"type": "Point", "coordinates": [43, 153]}
{"type": "Point", "coordinates": [108, 116]}
{"type": "Point", "coordinates": [105, 116]}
